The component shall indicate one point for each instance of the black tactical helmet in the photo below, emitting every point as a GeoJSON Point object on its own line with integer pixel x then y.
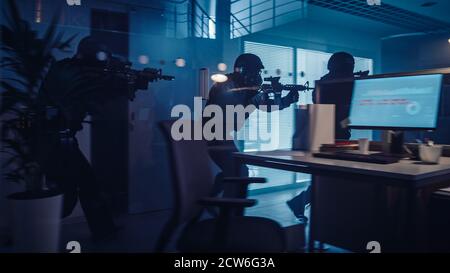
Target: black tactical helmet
{"type": "Point", "coordinates": [92, 49]}
{"type": "Point", "coordinates": [248, 61]}
{"type": "Point", "coordinates": [341, 62]}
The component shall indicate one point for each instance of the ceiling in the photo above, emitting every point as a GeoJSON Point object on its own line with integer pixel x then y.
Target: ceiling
{"type": "Point", "coordinates": [440, 11]}
{"type": "Point", "coordinates": [411, 16]}
{"type": "Point", "coordinates": [397, 17]}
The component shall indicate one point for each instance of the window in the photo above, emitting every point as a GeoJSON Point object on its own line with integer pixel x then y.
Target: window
{"type": "Point", "coordinates": [278, 61]}
{"type": "Point", "coordinates": [212, 27]}
{"type": "Point", "coordinates": [250, 16]}
{"type": "Point", "coordinates": [204, 22]}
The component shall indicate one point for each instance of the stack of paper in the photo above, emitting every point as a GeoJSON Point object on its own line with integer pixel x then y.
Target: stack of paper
{"type": "Point", "coordinates": [314, 127]}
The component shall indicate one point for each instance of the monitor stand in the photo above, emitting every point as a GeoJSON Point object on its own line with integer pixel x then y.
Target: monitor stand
{"type": "Point", "coordinates": [397, 142]}
{"type": "Point", "coordinates": [396, 145]}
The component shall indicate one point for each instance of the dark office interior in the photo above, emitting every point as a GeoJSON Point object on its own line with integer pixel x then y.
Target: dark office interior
{"type": "Point", "coordinates": [108, 107]}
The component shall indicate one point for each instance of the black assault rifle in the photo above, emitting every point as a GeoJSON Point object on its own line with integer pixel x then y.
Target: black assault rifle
{"type": "Point", "coordinates": [123, 70]}
{"type": "Point", "coordinates": [276, 87]}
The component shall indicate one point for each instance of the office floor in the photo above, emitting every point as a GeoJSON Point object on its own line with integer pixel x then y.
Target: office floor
{"type": "Point", "coordinates": [140, 231]}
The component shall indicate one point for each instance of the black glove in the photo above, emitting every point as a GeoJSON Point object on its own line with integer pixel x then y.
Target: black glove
{"type": "Point", "coordinates": [289, 99]}
{"type": "Point", "coordinates": [261, 98]}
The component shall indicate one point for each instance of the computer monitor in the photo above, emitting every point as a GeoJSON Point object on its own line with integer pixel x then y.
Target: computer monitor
{"type": "Point", "coordinates": [397, 103]}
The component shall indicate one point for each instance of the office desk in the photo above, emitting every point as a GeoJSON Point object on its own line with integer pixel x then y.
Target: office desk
{"type": "Point", "coordinates": [411, 181]}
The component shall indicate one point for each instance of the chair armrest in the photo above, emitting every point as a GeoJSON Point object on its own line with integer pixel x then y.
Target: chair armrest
{"type": "Point", "coordinates": [227, 202]}
{"type": "Point", "coordinates": [244, 180]}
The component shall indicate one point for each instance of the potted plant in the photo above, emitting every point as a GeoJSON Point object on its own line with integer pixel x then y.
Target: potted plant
{"type": "Point", "coordinates": [26, 57]}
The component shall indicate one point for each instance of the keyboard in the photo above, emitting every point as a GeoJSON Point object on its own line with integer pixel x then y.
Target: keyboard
{"type": "Point", "coordinates": [352, 156]}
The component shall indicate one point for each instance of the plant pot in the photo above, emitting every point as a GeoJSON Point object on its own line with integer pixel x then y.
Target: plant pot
{"type": "Point", "coordinates": [36, 221]}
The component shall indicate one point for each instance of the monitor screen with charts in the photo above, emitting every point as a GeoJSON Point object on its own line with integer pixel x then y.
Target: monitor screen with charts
{"type": "Point", "coordinates": [399, 103]}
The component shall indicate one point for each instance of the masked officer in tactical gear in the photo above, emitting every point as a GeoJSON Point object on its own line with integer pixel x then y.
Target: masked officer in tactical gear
{"type": "Point", "coordinates": [340, 66]}
{"type": "Point", "coordinates": [72, 89]}
{"type": "Point", "coordinates": [241, 88]}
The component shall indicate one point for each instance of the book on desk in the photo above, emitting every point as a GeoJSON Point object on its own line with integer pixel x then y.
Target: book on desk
{"type": "Point", "coordinates": [348, 150]}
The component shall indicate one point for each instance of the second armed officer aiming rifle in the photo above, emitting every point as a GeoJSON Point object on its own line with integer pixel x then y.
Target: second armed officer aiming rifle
{"type": "Point", "coordinates": [116, 68]}
{"type": "Point", "coordinates": [123, 69]}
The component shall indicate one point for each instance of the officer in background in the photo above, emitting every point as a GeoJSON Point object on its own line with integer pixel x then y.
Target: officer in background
{"type": "Point", "coordinates": [73, 88]}
{"type": "Point", "coordinates": [340, 66]}
{"type": "Point", "coordinates": [241, 88]}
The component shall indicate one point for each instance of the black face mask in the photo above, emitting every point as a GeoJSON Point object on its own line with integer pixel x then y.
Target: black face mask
{"type": "Point", "coordinates": [252, 78]}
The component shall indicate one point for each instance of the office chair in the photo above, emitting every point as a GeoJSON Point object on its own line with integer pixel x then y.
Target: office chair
{"type": "Point", "coordinates": [193, 182]}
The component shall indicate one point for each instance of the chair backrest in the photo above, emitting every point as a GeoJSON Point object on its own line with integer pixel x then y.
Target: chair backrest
{"type": "Point", "coordinates": [192, 174]}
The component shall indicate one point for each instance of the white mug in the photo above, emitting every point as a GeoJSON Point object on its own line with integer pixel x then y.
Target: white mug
{"type": "Point", "coordinates": [430, 154]}
{"type": "Point", "coordinates": [363, 145]}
